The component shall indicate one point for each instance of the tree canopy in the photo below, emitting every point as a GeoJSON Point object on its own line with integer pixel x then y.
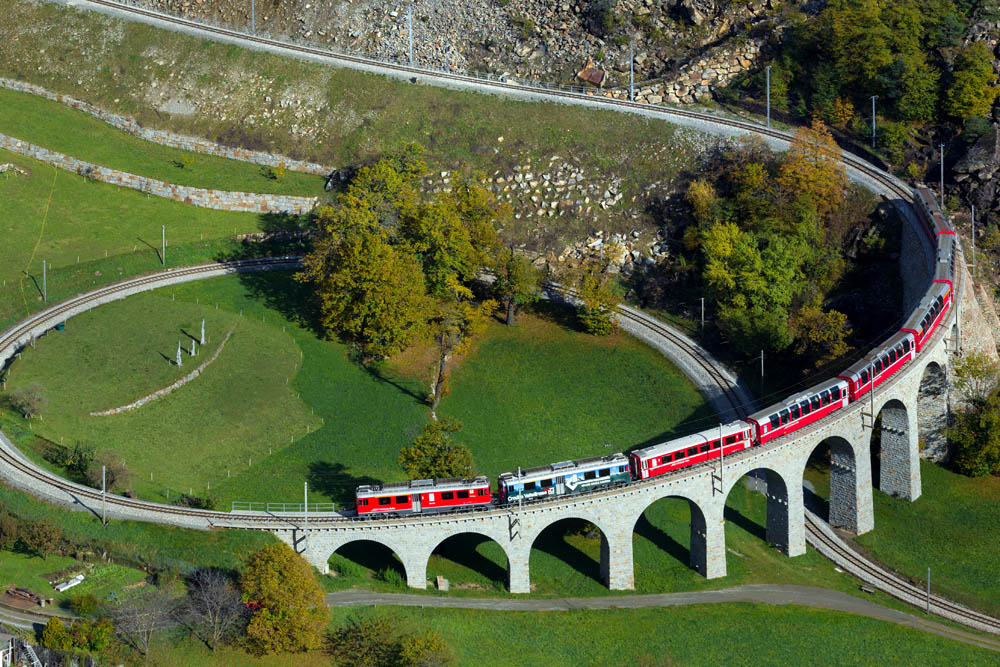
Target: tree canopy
{"type": "Point", "coordinates": [434, 455]}
{"type": "Point", "coordinates": [290, 613]}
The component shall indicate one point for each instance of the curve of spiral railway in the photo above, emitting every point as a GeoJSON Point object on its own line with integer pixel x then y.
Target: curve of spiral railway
{"type": "Point", "coordinates": [16, 468]}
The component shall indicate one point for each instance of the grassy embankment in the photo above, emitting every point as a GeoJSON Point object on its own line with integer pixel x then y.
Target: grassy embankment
{"type": "Point", "coordinates": [62, 128]}
{"type": "Point", "coordinates": [735, 634]}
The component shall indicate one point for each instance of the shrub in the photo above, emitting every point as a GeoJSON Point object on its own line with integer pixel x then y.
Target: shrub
{"type": "Point", "coordinates": [56, 636]}
{"type": "Point", "coordinates": [391, 576]}
{"type": "Point", "coordinates": [84, 604]}
{"type": "Point", "coordinates": [30, 400]}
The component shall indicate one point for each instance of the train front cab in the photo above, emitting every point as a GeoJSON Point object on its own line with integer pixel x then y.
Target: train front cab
{"type": "Point", "coordinates": [795, 413]}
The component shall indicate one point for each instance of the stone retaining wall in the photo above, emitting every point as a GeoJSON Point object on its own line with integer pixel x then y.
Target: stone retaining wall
{"type": "Point", "coordinates": [169, 138]}
{"type": "Point", "coordinates": [217, 199]}
{"type": "Point", "coordinates": [169, 388]}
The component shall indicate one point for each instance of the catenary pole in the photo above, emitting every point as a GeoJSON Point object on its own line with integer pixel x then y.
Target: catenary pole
{"type": "Point", "coordinates": [768, 71]}
{"type": "Point", "coordinates": [975, 264]}
{"type": "Point", "coordinates": [928, 590]}
{"type": "Point", "coordinates": [631, 70]}
{"type": "Point", "coordinates": [104, 491]}
{"type": "Point", "coordinates": [941, 195]}
{"type": "Point", "coordinates": [305, 505]}
{"type": "Point", "coordinates": [703, 313]}
{"type": "Point", "coordinates": [163, 245]}
{"type": "Point", "coordinates": [409, 15]}
{"type": "Point", "coordinates": [45, 284]}
{"type": "Point", "coordinates": [253, 17]}
{"type": "Point", "coordinates": [874, 97]}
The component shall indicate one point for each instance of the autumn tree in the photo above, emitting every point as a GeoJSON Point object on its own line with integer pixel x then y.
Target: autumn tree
{"type": "Point", "coordinates": [517, 283]}
{"type": "Point", "coordinates": [29, 400]}
{"type": "Point", "coordinates": [821, 336]}
{"type": "Point", "coordinates": [213, 605]}
{"type": "Point", "coordinates": [290, 613]}
{"type": "Point", "coordinates": [434, 455]}
{"type": "Point", "coordinates": [9, 530]}
{"type": "Point", "coordinates": [116, 474]}
{"type": "Point", "coordinates": [812, 169]}
{"type": "Point", "coordinates": [56, 636]}
{"type": "Point", "coordinates": [40, 537]}
{"type": "Point", "coordinates": [427, 649]}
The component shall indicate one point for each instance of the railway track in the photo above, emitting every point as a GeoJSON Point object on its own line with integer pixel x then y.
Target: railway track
{"type": "Point", "coordinates": [888, 186]}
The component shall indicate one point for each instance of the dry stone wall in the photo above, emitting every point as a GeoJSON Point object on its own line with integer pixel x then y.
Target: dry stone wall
{"type": "Point", "coordinates": [169, 138]}
{"type": "Point", "coordinates": [216, 199]}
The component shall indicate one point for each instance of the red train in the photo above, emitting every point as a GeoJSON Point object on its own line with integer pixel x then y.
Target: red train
{"type": "Point", "coordinates": [775, 421]}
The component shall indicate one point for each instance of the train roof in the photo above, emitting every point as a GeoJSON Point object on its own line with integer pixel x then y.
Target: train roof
{"type": "Point", "coordinates": [690, 440]}
{"type": "Point", "coordinates": [446, 484]}
{"type": "Point", "coordinates": [937, 290]}
{"type": "Point", "coordinates": [763, 415]}
{"type": "Point", "coordinates": [869, 359]}
{"type": "Point", "coordinates": [564, 467]}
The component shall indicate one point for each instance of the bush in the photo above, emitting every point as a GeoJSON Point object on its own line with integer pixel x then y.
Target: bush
{"type": "Point", "coordinates": [30, 400]}
{"type": "Point", "coordinates": [892, 138]}
{"type": "Point", "coordinates": [56, 636]}
{"type": "Point", "coordinates": [391, 576]}
{"type": "Point", "coordinates": [84, 604]}
{"type": "Point", "coordinates": [378, 640]}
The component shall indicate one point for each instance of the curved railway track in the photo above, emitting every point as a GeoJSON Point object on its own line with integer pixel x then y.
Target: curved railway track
{"type": "Point", "coordinates": [887, 184]}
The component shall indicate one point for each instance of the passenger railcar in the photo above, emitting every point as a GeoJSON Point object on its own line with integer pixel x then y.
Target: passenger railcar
{"type": "Point", "coordinates": [799, 411]}
{"type": "Point", "coordinates": [880, 364]}
{"type": "Point", "coordinates": [563, 478]}
{"type": "Point", "coordinates": [423, 495]}
{"type": "Point", "coordinates": [929, 314]}
{"type": "Point", "coordinates": [691, 449]}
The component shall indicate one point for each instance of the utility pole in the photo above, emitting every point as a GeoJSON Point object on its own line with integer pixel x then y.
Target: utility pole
{"type": "Point", "coordinates": [928, 590]}
{"type": "Point", "coordinates": [975, 264]}
{"type": "Point", "coordinates": [941, 202]}
{"type": "Point", "coordinates": [45, 286]}
{"type": "Point", "coordinates": [305, 506]}
{"type": "Point", "coordinates": [410, 19]}
{"type": "Point", "coordinates": [253, 17]}
{"type": "Point", "coordinates": [702, 313]}
{"type": "Point", "coordinates": [768, 71]}
{"type": "Point", "coordinates": [631, 70]}
{"type": "Point", "coordinates": [104, 491]}
{"type": "Point", "coordinates": [163, 245]}
{"type": "Point", "coordinates": [762, 374]}
{"type": "Point", "coordinates": [874, 97]}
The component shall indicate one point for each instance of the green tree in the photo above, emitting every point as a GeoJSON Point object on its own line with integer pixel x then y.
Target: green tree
{"type": "Point", "coordinates": [9, 532]}
{"type": "Point", "coordinates": [434, 455]}
{"type": "Point", "coordinates": [595, 288]}
{"type": "Point", "coordinates": [975, 438]}
{"type": "Point", "coordinates": [517, 283]}
{"type": "Point", "coordinates": [821, 336]}
{"type": "Point", "coordinates": [292, 612]}
{"type": "Point", "coordinates": [29, 400]}
{"type": "Point", "coordinates": [458, 322]}
{"type": "Point", "coordinates": [976, 376]}
{"type": "Point", "coordinates": [972, 90]}
{"type": "Point", "coordinates": [56, 636]}
{"type": "Point", "coordinates": [370, 641]}
{"type": "Point", "coordinates": [919, 98]}
{"type": "Point", "coordinates": [40, 537]}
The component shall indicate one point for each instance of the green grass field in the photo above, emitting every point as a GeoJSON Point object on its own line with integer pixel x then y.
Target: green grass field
{"type": "Point", "coordinates": [567, 384]}
{"type": "Point", "coordinates": [953, 528]}
{"type": "Point", "coordinates": [58, 217]}
{"type": "Point", "coordinates": [732, 634]}
{"type": "Point", "coordinates": [61, 128]}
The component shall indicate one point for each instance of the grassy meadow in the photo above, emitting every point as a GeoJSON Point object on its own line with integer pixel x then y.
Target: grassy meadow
{"type": "Point", "coordinates": [39, 574]}
{"type": "Point", "coordinates": [239, 432]}
{"type": "Point", "coordinates": [61, 128]}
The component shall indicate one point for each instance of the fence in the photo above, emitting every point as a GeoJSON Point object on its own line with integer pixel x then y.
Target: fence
{"type": "Point", "coordinates": [281, 507]}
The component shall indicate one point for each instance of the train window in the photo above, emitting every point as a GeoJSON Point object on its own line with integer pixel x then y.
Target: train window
{"type": "Point", "coordinates": [703, 449]}
{"type": "Point", "coordinates": [892, 356]}
{"type": "Point", "coordinates": [483, 492]}
{"type": "Point", "coordinates": [878, 366]}
{"type": "Point", "coordinates": [462, 495]}
{"type": "Point", "coordinates": [864, 376]}
{"type": "Point", "coordinates": [794, 411]}
{"type": "Point", "coordinates": [784, 417]}
{"type": "Point", "coordinates": [621, 468]}
{"type": "Point", "coordinates": [545, 482]}
{"type": "Point", "coordinates": [363, 501]}
{"type": "Point", "coordinates": [529, 486]}
{"type": "Point", "coordinates": [385, 500]}
{"type": "Point", "coordinates": [774, 421]}
{"type": "Point", "coordinates": [906, 345]}
{"type": "Point", "coordinates": [814, 402]}
{"type": "Point", "coordinates": [730, 439]}
{"type": "Point", "coordinates": [402, 500]}
{"type": "Point", "coordinates": [835, 393]}
{"type": "Point", "coordinates": [449, 495]}
{"type": "Point", "coordinates": [590, 474]}
{"type": "Point", "coordinates": [692, 451]}
{"type": "Point", "coordinates": [826, 396]}
{"type": "Point", "coordinates": [605, 472]}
